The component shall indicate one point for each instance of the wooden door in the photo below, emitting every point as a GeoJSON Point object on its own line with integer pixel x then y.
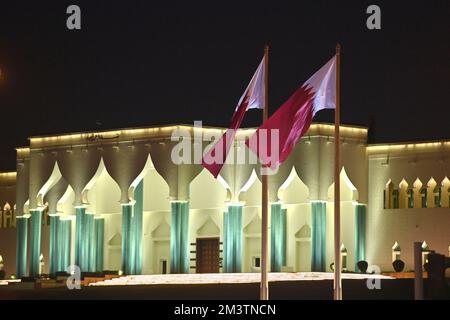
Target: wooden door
{"type": "Point", "coordinates": [207, 256]}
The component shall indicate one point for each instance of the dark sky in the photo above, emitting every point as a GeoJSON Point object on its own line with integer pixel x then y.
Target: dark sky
{"type": "Point", "coordinates": [142, 63]}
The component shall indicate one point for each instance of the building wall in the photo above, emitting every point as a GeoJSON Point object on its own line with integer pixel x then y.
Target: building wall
{"type": "Point", "coordinates": [101, 172]}
{"type": "Point", "coordinates": [386, 226]}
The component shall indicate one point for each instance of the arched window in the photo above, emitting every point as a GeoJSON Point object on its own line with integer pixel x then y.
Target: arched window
{"type": "Point", "coordinates": [403, 194]}
{"type": "Point", "coordinates": [396, 251]}
{"type": "Point", "coordinates": [432, 193]}
{"type": "Point", "coordinates": [425, 252]}
{"type": "Point", "coordinates": [424, 195]}
{"type": "Point", "coordinates": [417, 188]}
{"type": "Point", "coordinates": [388, 195]}
{"type": "Point", "coordinates": [344, 257]}
{"type": "Point", "coordinates": [445, 193]}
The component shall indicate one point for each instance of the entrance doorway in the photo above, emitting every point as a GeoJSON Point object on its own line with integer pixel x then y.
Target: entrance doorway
{"type": "Point", "coordinates": [207, 255]}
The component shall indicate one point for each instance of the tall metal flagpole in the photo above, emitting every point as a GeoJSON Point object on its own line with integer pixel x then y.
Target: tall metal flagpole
{"type": "Point", "coordinates": [337, 184]}
{"type": "Point", "coordinates": [264, 288]}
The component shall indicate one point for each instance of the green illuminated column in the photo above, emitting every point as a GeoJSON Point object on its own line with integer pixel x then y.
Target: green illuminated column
{"type": "Point", "coordinates": [136, 222]}
{"type": "Point", "coordinates": [79, 236]}
{"type": "Point", "coordinates": [99, 240]}
{"type": "Point", "coordinates": [318, 241]}
{"type": "Point", "coordinates": [22, 239]}
{"type": "Point", "coordinates": [85, 240]}
{"type": "Point", "coordinates": [132, 215]}
{"type": "Point", "coordinates": [53, 246]}
{"type": "Point", "coordinates": [127, 210]}
{"type": "Point", "coordinates": [64, 237]}
{"type": "Point", "coordinates": [179, 237]}
{"type": "Point", "coordinates": [232, 239]}
{"type": "Point", "coordinates": [90, 243]}
{"type": "Point", "coordinates": [277, 237]}
{"type": "Point", "coordinates": [360, 233]}
{"type": "Point", "coordinates": [35, 241]}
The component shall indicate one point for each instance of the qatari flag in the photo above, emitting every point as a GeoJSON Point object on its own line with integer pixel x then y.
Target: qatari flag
{"type": "Point", "coordinates": [294, 117]}
{"type": "Point", "coordinates": [253, 98]}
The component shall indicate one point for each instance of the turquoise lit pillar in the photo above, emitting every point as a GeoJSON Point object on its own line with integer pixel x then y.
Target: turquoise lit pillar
{"type": "Point", "coordinates": [99, 241]}
{"type": "Point", "coordinates": [127, 210]}
{"type": "Point", "coordinates": [80, 254]}
{"type": "Point", "coordinates": [179, 237]}
{"type": "Point", "coordinates": [318, 241]}
{"type": "Point", "coordinates": [64, 240]}
{"type": "Point", "coordinates": [89, 265]}
{"type": "Point", "coordinates": [84, 240]}
{"type": "Point", "coordinates": [132, 215]}
{"type": "Point", "coordinates": [232, 239]}
{"type": "Point", "coordinates": [277, 237]}
{"type": "Point", "coordinates": [21, 249]}
{"type": "Point", "coordinates": [360, 233]}
{"type": "Point", "coordinates": [53, 243]}
{"type": "Point", "coordinates": [35, 241]}
{"type": "Point", "coordinates": [137, 226]}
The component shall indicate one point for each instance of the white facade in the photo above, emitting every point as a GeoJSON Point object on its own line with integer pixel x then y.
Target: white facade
{"type": "Point", "coordinates": [99, 172]}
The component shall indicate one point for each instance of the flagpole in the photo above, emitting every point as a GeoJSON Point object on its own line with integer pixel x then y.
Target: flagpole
{"type": "Point", "coordinates": [264, 287]}
{"type": "Point", "coordinates": [337, 196]}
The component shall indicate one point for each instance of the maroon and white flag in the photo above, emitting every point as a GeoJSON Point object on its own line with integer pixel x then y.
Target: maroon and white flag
{"type": "Point", "coordinates": [293, 118]}
{"type": "Point", "coordinates": [253, 98]}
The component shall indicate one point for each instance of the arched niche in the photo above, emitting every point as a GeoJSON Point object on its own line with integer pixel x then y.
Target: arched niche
{"type": "Point", "coordinates": [157, 260]}
{"type": "Point", "coordinates": [250, 193]}
{"type": "Point", "coordinates": [42, 165]}
{"type": "Point", "coordinates": [54, 194]}
{"type": "Point", "coordinates": [304, 232]}
{"type": "Point", "coordinates": [113, 257]}
{"type": "Point", "coordinates": [254, 226]}
{"type": "Point", "coordinates": [65, 205]}
{"type": "Point", "coordinates": [389, 195]}
{"type": "Point", "coordinates": [445, 196]}
{"type": "Point", "coordinates": [252, 244]}
{"type": "Point", "coordinates": [432, 193]}
{"type": "Point", "coordinates": [207, 192]}
{"type": "Point", "coordinates": [348, 190]}
{"type": "Point", "coordinates": [303, 249]}
{"type": "Point", "coordinates": [396, 252]}
{"type": "Point", "coordinates": [162, 231]}
{"type": "Point", "coordinates": [208, 229]}
{"type": "Point", "coordinates": [403, 194]}
{"type": "Point", "coordinates": [156, 191]}
{"type": "Point", "coordinates": [293, 190]}
{"type": "Point", "coordinates": [102, 194]}
{"type": "Point", "coordinates": [417, 187]}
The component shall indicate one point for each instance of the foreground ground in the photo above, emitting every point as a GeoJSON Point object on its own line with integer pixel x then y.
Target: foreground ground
{"type": "Point", "coordinates": [352, 289]}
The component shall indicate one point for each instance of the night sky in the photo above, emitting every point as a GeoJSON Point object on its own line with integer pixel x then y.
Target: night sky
{"type": "Point", "coordinates": [140, 63]}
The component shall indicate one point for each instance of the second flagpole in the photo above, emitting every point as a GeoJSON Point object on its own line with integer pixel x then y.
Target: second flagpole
{"type": "Point", "coordinates": [337, 185]}
{"type": "Point", "coordinates": [264, 287]}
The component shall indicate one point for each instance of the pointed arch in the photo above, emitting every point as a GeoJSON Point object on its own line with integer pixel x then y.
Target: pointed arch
{"type": "Point", "coordinates": [348, 190]}
{"type": "Point", "coordinates": [251, 191]}
{"type": "Point", "coordinates": [433, 200]}
{"type": "Point", "coordinates": [445, 192]}
{"type": "Point", "coordinates": [64, 205]}
{"type": "Point", "coordinates": [54, 178]}
{"type": "Point", "coordinates": [403, 194]}
{"type": "Point", "coordinates": [293, 190]}
{"type": "Point", "coordinates": [208, 229]}
{"type": "Point", "coordinates": [215, 197]}
{"type": "Point", "coordinates": [162, 231]}
{"type": "Point", "coordinates": [102, 193]}
{"type": "Point", "coordinates": [304, 232]}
